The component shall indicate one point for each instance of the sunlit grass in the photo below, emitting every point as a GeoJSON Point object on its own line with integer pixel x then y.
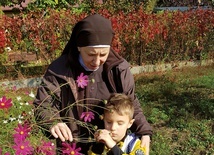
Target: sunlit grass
{"type": "Point", "coordinates": [180, 107]}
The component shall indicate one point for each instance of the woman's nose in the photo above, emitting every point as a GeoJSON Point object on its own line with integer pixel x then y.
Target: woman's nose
{"type": "Point", "coordinates": [96, 61]}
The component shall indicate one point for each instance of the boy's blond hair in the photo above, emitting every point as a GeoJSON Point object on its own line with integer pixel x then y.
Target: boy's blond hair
{"type": "Point", "coordinates": [121, 104]}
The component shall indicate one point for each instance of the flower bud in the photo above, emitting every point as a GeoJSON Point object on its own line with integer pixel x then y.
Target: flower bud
{"type": "Point", "coordinates": [101, 117]}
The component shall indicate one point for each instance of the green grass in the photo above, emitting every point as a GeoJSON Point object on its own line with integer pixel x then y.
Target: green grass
{"type": "Point", "coordinates": [180, 107]}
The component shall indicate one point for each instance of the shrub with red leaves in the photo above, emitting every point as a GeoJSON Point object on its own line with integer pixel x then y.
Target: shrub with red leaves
{"type": "Point", "coordinates": [2, 39]}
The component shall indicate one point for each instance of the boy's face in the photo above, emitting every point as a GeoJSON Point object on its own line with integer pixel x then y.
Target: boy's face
{"type": "Point", "coordinates": [117, 124]}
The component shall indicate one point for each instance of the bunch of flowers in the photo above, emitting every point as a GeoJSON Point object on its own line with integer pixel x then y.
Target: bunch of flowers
{"type": "Point", "coordinates": [24, 134]}
{"type": "Point", "coordinates": [22, 145]}
{"type": "Point", "coordinates": [17, 123]}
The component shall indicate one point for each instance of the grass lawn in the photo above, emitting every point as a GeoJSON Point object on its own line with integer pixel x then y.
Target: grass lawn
{"type": "Point", "coordinates": [180, 107]}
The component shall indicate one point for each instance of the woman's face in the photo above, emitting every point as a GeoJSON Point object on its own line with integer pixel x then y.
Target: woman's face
{"type": "Point", "coordinates": [94, 57]}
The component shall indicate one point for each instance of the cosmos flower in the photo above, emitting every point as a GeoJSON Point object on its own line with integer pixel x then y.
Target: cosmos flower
{"type": "Point", "coordinates": [21, 132]}
{"type": "Point", "coordinates": [11, 119]}
{"type": "Point", "coordinates": [19, 121]}
{"type": "Point", "coordinates": [14, 88]}
{"type": "Point", "coordinates": [68, 149]}
{"type": "Point", "coordinates": [27, 92]}
{"type": "Point", "coordinates": [32, 94]}
{"type": "Point", "coordinates": [19, 98]}
{"type": "Point", "coordinates": [8, 49]}
{"type": "Point", "coordinates": [5, 121]}
{"type": "Point", "coordinates": [46, 148]}
{"type": "Point", "coordinates": [23, 148]}
{"type": "Point", "coordinates": [88, 116]}
{"type": "Point", "coordinates": [5, 103]}
{"type": "Point", "coordinates": [82, 80]}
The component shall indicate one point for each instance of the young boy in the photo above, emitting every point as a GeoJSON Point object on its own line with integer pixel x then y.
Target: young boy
{"type": "Point", "coordinates": [118, 118]}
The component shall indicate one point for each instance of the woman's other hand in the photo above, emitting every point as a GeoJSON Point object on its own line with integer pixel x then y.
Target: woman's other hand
{"type": "Point", "coordinates": [145, 142]}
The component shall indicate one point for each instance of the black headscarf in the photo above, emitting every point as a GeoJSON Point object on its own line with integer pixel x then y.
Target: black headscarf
{"type": "Point", "coordinates": [92, 30]}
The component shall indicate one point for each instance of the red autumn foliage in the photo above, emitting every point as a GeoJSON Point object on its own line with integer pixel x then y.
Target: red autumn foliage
{"type": "Point", "coordinates": [139, 36]}
{"type": "Point", "coordinates": [2, 39]}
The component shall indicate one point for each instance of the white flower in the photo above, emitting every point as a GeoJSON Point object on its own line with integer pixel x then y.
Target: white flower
{"type": "Point", "coordinates": [31, 94]}
{"type": "Point", "coordinates": [26, 103]}
{"type": "Point", "coordinates": [8, 49]}
{"type": "Point", "coordinates": [21, 103]}
{"type": "Point", "coordinates": [20, 117]}
{"type": "Point", "coordinates": [18, 98]}
{"type": "Point", "coordinates": [12, 119]}
{"type": "Point", "coordinates": [5, 121]}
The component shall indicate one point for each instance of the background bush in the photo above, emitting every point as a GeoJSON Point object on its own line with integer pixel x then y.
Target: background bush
{"type": "Point", "coordinates": [141, 37]}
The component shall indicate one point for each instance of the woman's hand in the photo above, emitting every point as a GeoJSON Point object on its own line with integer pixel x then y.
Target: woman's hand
{"type": "Point", "coordinates": [62, 131]}
{"type": "Point", "coordinates": [145, 142]}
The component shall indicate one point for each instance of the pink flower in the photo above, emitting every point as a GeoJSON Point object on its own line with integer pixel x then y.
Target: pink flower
{"type": "Point", "coordinates": [21, 133]}
{"type": "Point", "coordinates": [68, 149]}
{"type": "Point", "coordinates": [4, 103]}
{"type": "Point", "coordinates": [82, 80]}
{"type": "Point", "coordinates": [88, 116]}
{"type": "Point", "coordinates": [14, 88]}
{"type": "Point", "coordinates": [27, 92]}
{"type": "Point", "coordinates": [23, 148]}
{"type": "Point", "coordinates": [46, 148]}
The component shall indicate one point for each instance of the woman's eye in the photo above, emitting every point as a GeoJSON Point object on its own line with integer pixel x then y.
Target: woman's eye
{"type": "Point", "coordinates": [102, 55]}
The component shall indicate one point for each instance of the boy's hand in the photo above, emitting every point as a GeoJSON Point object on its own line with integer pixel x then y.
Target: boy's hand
{"type": "Point", "coordinates": [104, 136]}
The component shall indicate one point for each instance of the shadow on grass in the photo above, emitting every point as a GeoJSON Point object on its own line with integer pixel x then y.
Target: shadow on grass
{"type": "Point", "coordinates": [177, 95]}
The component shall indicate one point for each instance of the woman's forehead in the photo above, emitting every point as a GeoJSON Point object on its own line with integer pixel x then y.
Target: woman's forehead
{"type": "Point", "coordinates": [89, 48]}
